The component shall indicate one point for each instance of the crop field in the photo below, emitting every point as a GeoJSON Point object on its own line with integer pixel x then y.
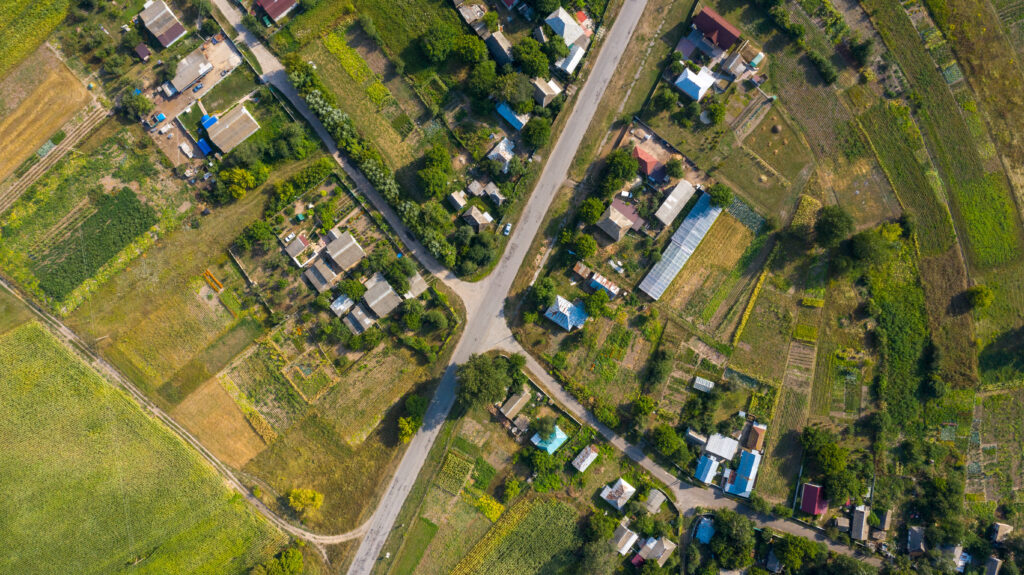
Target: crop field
{"type": "Point", "coordinates": [126, 490]}
{"type": "Point", "coordinates": [1002, 441]}
{"type": "Point", "coordinates": [454, 473]}
{"type": "Point", "coordinates": [358, 403]}
{"type": "Point", "coordinates": [211, 415]}
{"type": "Point", "coordinates": [86, 218]}
{"type": "Point", "coordinates": [12, 312]}
{"type": "Point", "coordinates": [24, 24]}
{"type": "Point", "coordinates": [944, 278]}
{"type": "Point", "coordinates": [769, 192]}
{"type": "Point", "coordinates": [36, 98]}
{"type": "Point", "coordinates": [900, 150]}
{"type": "Point", "coordinates": [534, 536]}
{"type": "Point", "coordinates": [460, 526]}
{"type": "Point", "coordinates": [984, 211]}
{"type": "Point", "coordinates": [608, 360]}
{"type": "Point", "coordinates": [782, 448]}
{"type": "Point", "coordinates": [416, 543]}
{"type": "Point", "coordinates": [398, 32]}
{"type": "Point", "coordinates": [259, 377]}
{"type": "Point", "coordinates": [765, 340]}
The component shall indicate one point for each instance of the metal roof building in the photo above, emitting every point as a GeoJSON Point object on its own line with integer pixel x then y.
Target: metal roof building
{"type": "Point", "coordinates": [345, 251]}
{"type": "Point", "coordinates": [161, 22]}
{"type": "Point", "coordinates": [233, 128]}
{"type": "Point", "coordinates": [684, 243]}
{"type": "Point", "coordinates": [190, 69]}
{"type": "Point", "coordinates": [566, 314]}
{"type": "Point", "coordinates": [674, 203]}
{"type": "Point", "coordinates": [741, 482]}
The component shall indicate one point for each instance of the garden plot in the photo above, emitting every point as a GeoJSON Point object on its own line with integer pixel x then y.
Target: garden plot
{"type": "Point", "coordinates": [211, 415]}
{"type": "Point", "coordinates": [1002, 442]}
{"type": "Point", "coordinates": [258, 376]}
{"type": "Point", "coordinates": [600, 363]}
{"type": "Point", "coordinates": [766, 337]}
{"type": "Point", "coordinates": [782, 448]}
{"type": "Point", "coordinates": [776, 142]}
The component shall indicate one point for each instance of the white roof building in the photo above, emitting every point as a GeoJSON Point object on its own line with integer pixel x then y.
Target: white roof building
{"type": "Point", "coordinates": [569, 63]}
{"type": "Point", "coordinates": [342, 305]}
{"type": "Point", "coordinates": [623, 539]}
{"type": "Point", "coordinates": [585, 458]}
{"type": "Point", "coordinates": [695, 85]}
{"type": "Point", "coordinates": [674, 203]}
{"type": "Point", "coordinates": [722, 447]}
{"type": "Point", "coordinates": [701, 384]}
{"type": "Point", "coordinates": [618, 494]}
{"type": "Point", "coordinates": [502, 152]}
{"type": "Point", "coordinates": [565, 25]}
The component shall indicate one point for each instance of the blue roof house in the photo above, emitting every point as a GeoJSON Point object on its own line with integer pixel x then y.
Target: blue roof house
{"type": "Point", "coordinates": [566, 314]}
{"type": "Point", "coordinates": [707, 468]}
{"type": "Point", "coordinates": [552, 443]}
{"type": "Point", "coordinates": [705, 530]}
{"type": "Point", "coordinates": [517, 121]}
{"type": "Point", "coordinates": [741, 483]}
{"type": "Point", "coordinates": [695, 85]}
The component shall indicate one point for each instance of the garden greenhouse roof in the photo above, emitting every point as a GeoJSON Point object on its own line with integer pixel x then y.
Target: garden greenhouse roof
{"type": "Point", "coordinates": [684, 243]}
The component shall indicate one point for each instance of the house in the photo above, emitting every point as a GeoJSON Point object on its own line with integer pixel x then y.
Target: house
{"type": "Point", "coordinates": [705, 530]}
{"type": "Point", "coordinates": [722, 447]}
{"type": "Point", "coordinates": [684, 242]}
{"type": "Point", "coordinates": [623, 539]}
{"type": "Point", "coordinates": [475, 188]}
{"type": "Point", "coordinates": [417, 286]}
{"type": "Point", "coordinates": [551, 443]}
{"type": "Point", "coordinates": [859, 526]}
{"type": "Point", "coordinates": [321, 276]}
{"type": "Point", "coordinates": [566, 26]}
{"type": "Point", "coordinates": [581, 270]}
{"type": "Point", "coordinates": [492, 191]}
{"type": "Point", "coordinates": [544, 91]}
{"type": "Point", "coordinates": [359, 319]}
{"type": "Point", "coordinates": [695, 84]}
{"type": "Point", "coordinates": [915, 541]}
{"type": "Point", "coordinates": [277, 9]}
{"type": "Point", "coordinates": [233, 128]}
{"type": "Point", "coordinates": [500, 48]}
{"type": "Point", "coordinates": [654, 500]}
{"type": "Point", "coordinates": [843, 524]}
{"type": "Point", "coordinates": [649, 164]}
{"type": "Point", "coordinates": [599, 282]}
{"type": "Point", "coordinates": [755, 437]}
{"type": "Point", "coordinates": [472, 12]}
{"type": "Point", "coordinates": [341, 305]}
{"type": "Point", "coordinates": [568, 315]}
{"type": "Point", "coordinates": [584, 458]}
{"type": "Point", "coordinates": [618, 494]}
{"type": "Point", "coordinates": [190, 69]}
{"type": "Point", "coordinates": [695, 438]}
{"type": "Point", "coordinates": [477, 218]}
{"type": "Point", "coordinates": [658, 550]}
{"type": "Point", "coordinates": [716, 29]}
{"type": "Point", "coordinates": [618, 219]}
{"type": "Point", "coordinates": [379, 296]}
{"type": "Point", "coordinates": [886, 523]}
{"type": "Point", "coordinates": [457, 199]}
{"type": "Point", "coordinates": [707, 468]}
{"type": "Point", "coordinates": [143, 52]}
{"type": "Point", "coordinates": [502, 152]}
{"type": "Point", "coordinates": [161, 22]}
{"type": "Point", "coordinates": [956, 554]}
{"type": "Point", "coordinates": [569, 64]}
{"type": "Point", "coordinates": [1000, 531]}
{"type": "Point", "coordinates": [812, 499]}
{"type": "Point", "coordinates": [514, 405]}
{"type": "Point", "coordinates": [296, 247]}
{"type": "Point", "coordinates": [741, 482]}
{"type": "Point", "coordinates": [701, 384]}
{"type": "Point", "coordinates": [674, 203]}
{"type": "Point", "coordinates": [517, 121]}
{"type": "Point", "coordinates": [344, 250]}
{"type": "Point", "coordinates": [735, 65]}
{"type": "Point", "coordinates": [993, 565]}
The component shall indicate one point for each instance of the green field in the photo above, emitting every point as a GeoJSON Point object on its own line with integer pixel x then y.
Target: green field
{"type": "Point", "coordinates": [94, 486]}
{"type": "Point", "coordinates": [237, 84]}
{"type": "Point", "coordinates": [24, 24]}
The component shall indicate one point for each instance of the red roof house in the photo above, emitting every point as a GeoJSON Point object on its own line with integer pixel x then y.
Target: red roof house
{"type": "Point", "coordinates": [648, 163]}
{"type": "Point", "coordinates": [277, 9]}
{"type": "Point", "coordinates": [715, 28]}
{"type": "Point", "coordinates": [813, 500]}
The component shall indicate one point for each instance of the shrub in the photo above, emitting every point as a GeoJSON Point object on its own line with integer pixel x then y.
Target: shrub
{"type": "Point", "coordinates": [980, 296]}
{"type": "Point", "coordinates": [721, 195]}
{"type": "Point", "coordinates": [305, 501]}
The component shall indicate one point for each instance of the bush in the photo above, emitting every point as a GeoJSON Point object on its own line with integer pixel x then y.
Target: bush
{"type": "Point", "coordinates": [435, 320]}
{"type": "Point", "coordinates": [537, 132]}
{"type": "Point", "coordinates": [305, 501]}
{"type": "Point", "coordinates": [824, 67]}
{"type": "Point", "coordinates": [721, 195]}
{"type": "Point", "coordinates": [980, 296]}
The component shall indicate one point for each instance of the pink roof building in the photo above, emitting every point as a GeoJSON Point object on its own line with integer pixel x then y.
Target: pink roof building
{"type": "Point", "coordinates": [813, 501]}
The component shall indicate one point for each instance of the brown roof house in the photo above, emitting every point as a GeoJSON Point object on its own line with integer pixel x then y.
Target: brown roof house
{"type": "Point", "coordinates": [618, 494]}
{"type": "Point", "coordinates": [477, 218]}
{"type": "Point", "coordinates": [232, 128]}
{"type": "Point", "coordinates": [277, 9]}
{"type": "Point", "coordinates": [379, 296]}
{"type": "Point", "coordinates": [716, 29]}
{"type": "Point", "coordinates": [658, 550]}
{"type": "Point", "coordinates": [161, 22]}
{"type": "Point", "coordinates": [618, 219]}
{"type": "Point", "coordinates": [344, 250]}
{"type": "Point", "coordinates": [755, 438]}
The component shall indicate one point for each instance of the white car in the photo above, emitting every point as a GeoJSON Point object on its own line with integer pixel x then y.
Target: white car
{"type": "Point", "coordinates": [508, 229]}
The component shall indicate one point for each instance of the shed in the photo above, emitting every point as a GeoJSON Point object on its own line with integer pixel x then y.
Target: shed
{"type": "Point", "coordinates": [618, 494]}
{"type": "Point", "coordinates": [568, 315]}
{"type": "Point", "coordinates": [1000, 531]}
{"type": "Point", "coordinates": [674, 203]}
{"type": "Point", "coordinates": [695, 438]}
{"type": "Point", "coordinates": [859, 526]}
{"type": "Point", "coordinates": [417, 286]}
{"type": "Point", "coordinates": [649, 164]}
{"type": "Point", "coordinates": [517, 121]}
{"type": "Point", "coordinates": [623, 539]}
{"type": "Point", "coordinates": [514, 405]}
{"type": "Point", "coordinates": [886, 521]}
{"type": "Point", "coordinates": [341, 305]}
{"type": "Point", "coordinates": [204, 146]}
{"type": "Point", "coordinates": [345, 251]}
{"type": "Point", "coordinates": [161, 22]}
{"type": "Point", "coordinates": [143, 52]}
{"type": "Point", "coordinates": [701, 384]}
{"type": "Point", "coordinates": [654, 500]}
{"type": "Point", "coordinates": [551, 443]}
{"type": "Point", "coordinates": [458, 200]}
{"type": "Point", "coordinates": [233, 128]}
{"type": "Point", "coordinates": [277, 9]}
{"type": "Point", "coordinates": [321, 276]}
{"type": "Point", "coordinates": [599, 282]}
{"type": "Point", "coordinates": [584, 458]}
{"type": "Point", "coordinates": [705, 530]}
{"type": "Point", "coordinates": [993, 565]}
{"type": "Point", "coordinates": [581, 270]}
{"type": "Point", "coordinates": [359, 320]}
{"type": "Point", "coordinates": [843, 524]}
{"type": "Point", "coordinates": [521, 423]}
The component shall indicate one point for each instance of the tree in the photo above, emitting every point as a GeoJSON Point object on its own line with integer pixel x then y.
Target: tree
{"type": "Point", "coordinates": [545, 7]}
{"type": "Point", "coordinates": [544, 291]}
{"type": "Point", "coordinates": [597, 303]}
{"type": "Point", "coordinates": [516, 89]}
{"type": "Point", "coordinates": [716, 110]}
{"type": "Point", "coordinates": [585, 246]}
{"type": "Point", "coordinates": [491, 20]}
{"type": "Point", "coordinates": [543, 426]}
{"type": "Point", "coordinates": [621, 165]}
{"type": "Point", "coordinates": [666, 440]}
{"type": "Point", "coordinates": [733, 541]}
{"type": "Point", "coordinates": [537, 132]}
{"type": "Point", "coordinates": [470, 49]}
{"type": "Point", "coordinates": [288, 562]}
{"type": "Point", "coordinates": [556, 48]}
{"type": "Point", "coordinates": [674, 168]}
{"type": "Point", "coordinates": [643, 406]}
{"type": "Point", "coordinates": [980, 296]}
{"type": "Point", "coordinates": [531, 58]}
{"type": "Point", "coordinates": [599, 559]}
{"type": "Point", "coordinates": [867, 246]}
{"type": "Point", "coordinates": [135, 106]}
{"type": "Point", "coordinates": [600, 527]}
{"type": "Point", "coordinates": [664, 99]}
{"type": "Point", "coordinates": [591, 210]}
{"type": "Point", "coordinates": [482, 79]}
{"type": "Point", "coordinates": [323, 301]}
{"type": "Point", "coordinates": [305, 501]}
{"type": "Point", "coordinates": [437, 42]}
{"type": "Point", "coordinates": [794, 551]}
{"type": "Point", "coordinates": [258, 234]}
{"type": "Point", "coordinates": [834, 225]}
{"type": "Point", "coordinates": [237, 181]}
{"type": "Point", "coordinates": [412, 313]}
{"type": "Point", "coordinates": [721, 195]}
{"type": "Point", "coordinates": [353, 289]}
{"type": "Point", "coordinates": [480, 382]}
{"type": "Point", "coordinates": [512, 488]}
{"type": "Point", "coordinates": [435, 320]}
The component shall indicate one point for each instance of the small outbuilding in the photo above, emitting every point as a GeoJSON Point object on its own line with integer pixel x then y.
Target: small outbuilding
{"type": "Point", "coordinates": [618, 494]}
{"type": "Point", "coordinates": [161, 23]}
{"type": "Point", "coordinates": [344, 250]}
{"type": "Point", "coordinates": [568, 315]}
{"type": "Point", "coordinates": [584, 458]}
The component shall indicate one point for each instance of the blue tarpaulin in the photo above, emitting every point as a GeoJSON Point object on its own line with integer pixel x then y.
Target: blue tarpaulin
{"type": "Point", "coordinates": [136, 91]}
{"type": "Point", "coordinates": [204, 146]}
{"type": "Point", "coordinates": [160, 117]}
{"type": "Point", "coordinates": [208, 121]}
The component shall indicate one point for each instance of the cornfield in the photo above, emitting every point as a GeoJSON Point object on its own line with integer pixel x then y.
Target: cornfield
{"type": "Point", "coordinates": [24, 25]}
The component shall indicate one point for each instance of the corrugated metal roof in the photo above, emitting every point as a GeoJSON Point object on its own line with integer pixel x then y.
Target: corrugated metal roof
{"type": "Point", "coordinates": [233, 128]}
{"type": "Point", "coordinates": [684, 243]}
{"type": "Point", "coordinates": [673, 204]}
{"type": "Point", "coordinates": [707, 467]}
{"type": "Point", "coordinates": [743, 480]}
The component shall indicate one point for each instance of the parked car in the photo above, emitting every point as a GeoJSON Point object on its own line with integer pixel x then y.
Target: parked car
{"type": "Point", "coordinates": [508, 229]}
{"type": "Point", "coordinates": [198, 87]}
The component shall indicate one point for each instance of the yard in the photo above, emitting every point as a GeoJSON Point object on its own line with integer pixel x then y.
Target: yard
{"type": "Point", "coordinates": [126, 490]}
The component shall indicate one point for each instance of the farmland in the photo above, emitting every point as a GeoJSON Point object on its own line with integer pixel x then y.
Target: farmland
{"type": "Point", "coordinates": [124, 489]}
{"type": "Point", "coordinates": [36, 99]}
{"type": "Point", "coordinates": [782, 449]}
{"type": "Point", "coordinates": [24, 24]}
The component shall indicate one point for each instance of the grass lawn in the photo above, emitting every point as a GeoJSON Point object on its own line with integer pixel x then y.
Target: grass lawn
{"type": "Point", "coordinates": [229, 90]}
{"type": "Point", "coordinates": [94, 485]}
{"type": "Point", "coordinates": [776, 142]}
{"type": "Point", "coordinates": [416, 542]}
